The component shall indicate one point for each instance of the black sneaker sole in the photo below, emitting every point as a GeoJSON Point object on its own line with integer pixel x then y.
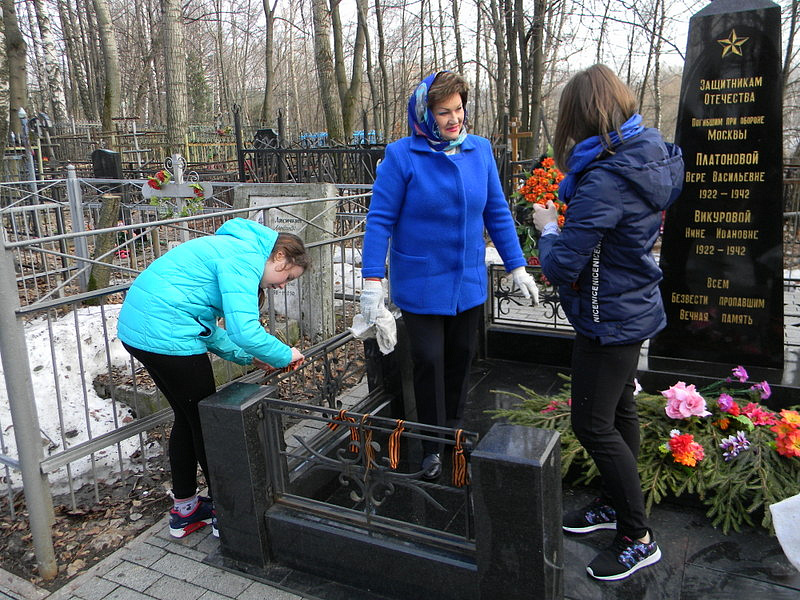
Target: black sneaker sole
{"type": "Point", "coordinates": [590, 528]}
{"type": "Point", "coordinates": [650, 560]}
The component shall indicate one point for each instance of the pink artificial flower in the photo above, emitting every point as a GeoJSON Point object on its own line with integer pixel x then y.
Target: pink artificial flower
{"type": "Point", "coordinates": [758, 415]}
{"type": "Point", "coordinates": [763, 389]}
{"type": "Point", "coordinates": [740, 373]}
{"type": "Point", "coordinates": [683, 402]}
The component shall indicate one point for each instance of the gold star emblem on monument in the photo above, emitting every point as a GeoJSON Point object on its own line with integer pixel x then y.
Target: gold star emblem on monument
{"type": "Point", "coordinates": [732, 44]}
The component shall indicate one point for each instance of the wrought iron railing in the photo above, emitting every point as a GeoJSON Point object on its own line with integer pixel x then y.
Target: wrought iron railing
{"type": "Point", "coordinates": [352, 466]}
{"type": "Point", "coordinates": [354, 165]}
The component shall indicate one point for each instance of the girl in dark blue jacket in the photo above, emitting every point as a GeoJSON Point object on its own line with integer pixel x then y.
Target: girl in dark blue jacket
{"type": "Point", "coordinates": [435, 193]}
{"type": "Point", "coordinates": [620, 176]}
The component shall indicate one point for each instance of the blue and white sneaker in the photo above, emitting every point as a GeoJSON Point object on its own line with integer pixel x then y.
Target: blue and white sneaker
{"type": "Point", "coordinates": [202, 515]}
{"type": "Point", "coordinates": [623, 557]}
{"type": "Point", "coordinates": [594, 516]}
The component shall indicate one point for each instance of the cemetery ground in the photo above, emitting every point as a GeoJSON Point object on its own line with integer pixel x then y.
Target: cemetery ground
{"type": "Point", "coordinates": [699, 563]}
{"type": "Point", "coordinates": [95, 528]}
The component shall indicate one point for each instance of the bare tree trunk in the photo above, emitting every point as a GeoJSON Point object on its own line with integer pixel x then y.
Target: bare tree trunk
{"type": "Point", "coordinates": [537, 75]}
{"type": "Point", "coordinates": [377, 115]}
{"type": "Point", "coordinates": [269, 35]}
{"type": "Point", "coordinates": [4, 121]}
{"type": "Point", "coordinates": [76, 64]}
{"type": "Point", "coordinates": [348, 93]}
{"type": "Point", "coordinates": [175, 75]}
{"type": "Point", "coordinates": [55, 92]}
{"type": "Point", "coordinates": [36, 92]}
{"type": "Point", "coordinates": [477, 94]}
{"type": "Point", "coordinates": [500, 91]}
{"type": "Point", "coordinates": [422, 69]}
{"type": "Point", "coordinates": [224, 90]}
{"type": "Point", "coordinates": [108, 42]}
{"type": "Point", "coordinates": [513, 59]}
{"type": "Point", "coordinates": [599, 54]}
{"type": "Point", "coordinates": [643, 89]}
{"type": "Point", "coordinates": [384, 72]}
{"type": "Point", "coordinates": [787, 62]}
{"type": "Point", "coordinates": [457, 35]}
{"type": "Point", "coordinates": [525, 56]}
{"type": "Point", "coordinates": [90, 51]}
{"type": "Point", "coordinates": [662, 17]}
{"type": "Point", "coordinates": [331, 104]}
{"type": "Point", "coordinates": [17, 76]}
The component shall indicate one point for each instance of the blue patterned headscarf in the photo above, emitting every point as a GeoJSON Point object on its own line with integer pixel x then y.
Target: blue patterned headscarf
{"type": "Point", "coordinates": [421, 119]}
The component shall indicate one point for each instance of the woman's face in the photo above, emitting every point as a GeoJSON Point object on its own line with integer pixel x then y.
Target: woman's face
{"type": "Point", "coordinates": [449, 115]}
{"type": "Point", "coordinates": [277, 273]}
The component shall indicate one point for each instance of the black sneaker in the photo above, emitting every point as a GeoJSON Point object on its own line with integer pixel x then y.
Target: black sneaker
{"type": "Point", "coordinates": [594, 516]}
{"type": "Point", "coordinates": [623, 557]}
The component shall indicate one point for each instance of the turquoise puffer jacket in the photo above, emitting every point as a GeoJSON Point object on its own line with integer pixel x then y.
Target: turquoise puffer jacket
{"type": "Point", "coordinates": [173, 305]}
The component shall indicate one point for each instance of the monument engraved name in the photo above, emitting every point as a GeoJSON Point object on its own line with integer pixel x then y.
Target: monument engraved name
{"type": "Point", "coordinates": [722, 247]}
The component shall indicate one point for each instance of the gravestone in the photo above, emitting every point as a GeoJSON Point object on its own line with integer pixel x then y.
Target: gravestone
{"type": "Point", "coordinates": [722, 249]}
{"type": "Point", "coordinates": [286, 207]}
{"type": "Point", "coordinates": [106, 164]}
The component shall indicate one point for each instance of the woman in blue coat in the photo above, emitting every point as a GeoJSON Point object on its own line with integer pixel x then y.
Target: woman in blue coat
{"type": "Point", "coordinates": [620, 177]}
{"type": "Point", "coordinates": [168, 322]}
{"type": "Point", "coordinates": [435, 193]}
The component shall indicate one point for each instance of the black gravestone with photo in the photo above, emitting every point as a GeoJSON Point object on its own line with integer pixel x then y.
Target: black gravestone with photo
{"type": "Point", "coordinates": [722, 251]}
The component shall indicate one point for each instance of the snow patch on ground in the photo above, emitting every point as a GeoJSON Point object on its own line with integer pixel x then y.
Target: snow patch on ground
{"type": "Point", "coordinates": [68, 408]}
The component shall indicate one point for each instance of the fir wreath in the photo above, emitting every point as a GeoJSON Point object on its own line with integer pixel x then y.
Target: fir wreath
{"type": "Point", "coordinates": [737, 457]}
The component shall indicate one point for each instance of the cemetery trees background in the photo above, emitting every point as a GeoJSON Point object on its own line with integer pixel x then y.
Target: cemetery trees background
{"type": "Point", "coordinates": [337, 64]}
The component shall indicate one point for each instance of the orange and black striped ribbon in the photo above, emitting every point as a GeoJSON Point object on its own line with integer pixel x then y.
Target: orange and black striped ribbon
{"type": "Point", "coordinates": [460, 478]}
{"type": "Point", "coordinates": [369, 451]}
{"type": "Point", "coordinates": [342, 416]}
{"type": "Point", "coordinates": [394, 444]}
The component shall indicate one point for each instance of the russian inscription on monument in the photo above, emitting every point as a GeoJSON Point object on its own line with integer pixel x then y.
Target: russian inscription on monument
{"type": "Point", "coordinates": [722, 252]}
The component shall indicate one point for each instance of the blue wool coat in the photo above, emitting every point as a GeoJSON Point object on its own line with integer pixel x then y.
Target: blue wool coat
{"type": "Point", "coordinates": [434, 207]}
{"type": "Point", "coordinates": [173, 305]}
{"type": "Point", "coordinates": [602, 262]}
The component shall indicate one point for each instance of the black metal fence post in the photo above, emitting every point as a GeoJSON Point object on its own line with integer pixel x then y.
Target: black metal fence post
{"type": "Point", "coordinates": [237, 127]}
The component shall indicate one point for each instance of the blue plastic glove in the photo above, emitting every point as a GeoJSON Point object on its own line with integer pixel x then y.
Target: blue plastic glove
{"type": "Point", "coordinates": [526, 284]}
{"type": "Point", "coordinates": [371, 300]}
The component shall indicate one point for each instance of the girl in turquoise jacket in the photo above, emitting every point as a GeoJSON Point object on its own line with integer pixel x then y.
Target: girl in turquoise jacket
{"type": "Point", "coordinates": [168, 322]}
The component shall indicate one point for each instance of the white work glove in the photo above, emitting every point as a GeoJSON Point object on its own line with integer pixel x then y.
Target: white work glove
{"type": "Point", "coordinates": [526, 284]}
{"type": "Point", "coordinates": [371, 300]}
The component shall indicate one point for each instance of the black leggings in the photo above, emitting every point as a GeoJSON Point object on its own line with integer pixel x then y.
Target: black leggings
{"type": "Point", "coordinates": [184, 381]}
{"type": "Point", "coordinates": [442, 348]}
{"type": "Point", "coordinates": [606, 423]}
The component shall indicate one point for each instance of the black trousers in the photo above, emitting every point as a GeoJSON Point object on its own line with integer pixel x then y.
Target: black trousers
{"type": "Point", "coordinates": [184, 381]}
{"type": "Point", "coordinates": [442, 348]}
{"type": "Point", "coordinates": [606, 423]}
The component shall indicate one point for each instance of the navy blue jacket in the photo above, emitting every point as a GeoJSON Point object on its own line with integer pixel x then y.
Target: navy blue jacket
{"type": "Point", "coordinates": [434, 208]}
{"type": "Point", "coordinates": [602, 261]}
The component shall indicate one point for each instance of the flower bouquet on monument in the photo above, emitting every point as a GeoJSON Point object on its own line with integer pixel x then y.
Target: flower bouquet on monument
{"type": "Point", "coordinates": [539, 186]}
{"type": "Point", "coordinates": [718, 443]}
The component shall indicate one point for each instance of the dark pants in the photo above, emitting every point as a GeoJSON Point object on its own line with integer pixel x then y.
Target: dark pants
{"type": "Point", "coordinates": [442, 348]}
{"type": "Point", "coordinates": [605, 422]}
{"type": "Point", "coordinates": [184, 381]}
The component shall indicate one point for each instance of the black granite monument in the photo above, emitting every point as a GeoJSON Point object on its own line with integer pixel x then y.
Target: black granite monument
{"type": "Point", "coordinates": [722, 249]}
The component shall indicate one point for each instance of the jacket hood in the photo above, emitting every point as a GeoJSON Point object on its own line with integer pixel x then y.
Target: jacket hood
{"type": "Point", "coordinates": [260, 237]}
{"type": "Point", "coordinates": [653, 167]}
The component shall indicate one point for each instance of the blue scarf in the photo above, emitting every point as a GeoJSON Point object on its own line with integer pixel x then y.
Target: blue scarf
{"type": "Point", "coordinates": [423, 123]}
{"type": "Point", "coordinates": [586, 151]}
